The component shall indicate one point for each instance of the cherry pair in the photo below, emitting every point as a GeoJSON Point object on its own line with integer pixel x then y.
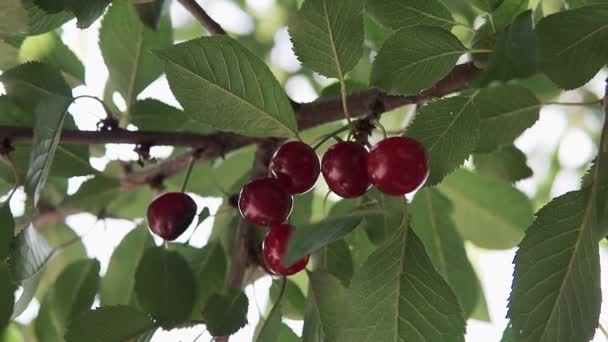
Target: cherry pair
{"type": "Point", "coordinates": [396, 166]}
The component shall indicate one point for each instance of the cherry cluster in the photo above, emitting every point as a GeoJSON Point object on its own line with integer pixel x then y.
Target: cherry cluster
{"type": "Point", "coordinates": [396, 166]}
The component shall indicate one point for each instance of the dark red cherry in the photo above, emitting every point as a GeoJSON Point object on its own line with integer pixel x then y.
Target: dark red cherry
{"type": "Point", "coordinates": [343, 168]}
{"type": "Point", "coordinates": [273, 249]}
{"type": "Point", "coordinates": [296, 166]}
{"type": "Point", "coordinates": [170, 214]}
{"type": "Point", "coordinates": [264, 202]}
{"type": "Point", "coordinates": [397, 165]}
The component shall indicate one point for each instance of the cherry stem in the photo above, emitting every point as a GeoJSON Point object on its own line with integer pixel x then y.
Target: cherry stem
{"type": "Point", "coordinates": [382, 129]}
{"type": "Point", "coordinates": [329, 136]}
{"type": "Point", "coordinates": [188, 172]}
{"type": "Point", "coordinates": [278, 301]}
{"type": "Point", "coordinates": [103, 104]}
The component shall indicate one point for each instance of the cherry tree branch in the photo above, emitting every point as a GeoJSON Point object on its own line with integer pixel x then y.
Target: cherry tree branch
{"type": "Point", "coordinates": [202, 17]}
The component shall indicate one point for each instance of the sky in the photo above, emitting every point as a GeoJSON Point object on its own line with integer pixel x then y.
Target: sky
{"type": "Point", "coordinates": [494, 267]}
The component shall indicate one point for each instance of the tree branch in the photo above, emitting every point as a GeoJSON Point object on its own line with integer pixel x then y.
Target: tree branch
{"type": "Point", "coordinates": [202, 17]}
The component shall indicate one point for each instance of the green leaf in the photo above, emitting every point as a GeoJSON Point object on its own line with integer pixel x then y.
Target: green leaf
{"type": "Point", "coordinates": [7, 295]}
{"type": "Point", "coordinates": [328, 35]}
{"type": "Point", "coordinates": [126, 45]}
{"type": "Point", "coordinates": [507, 11]}
{"type": "Point", "coordinates": [487, 5]}
{"type": "Point", "coordinates": [503, 121]}
{"type": "Point", "coordinates": [7, 230]}
{"type": "Point", "coordinates": [507, 335]}
{"type": "Point", "coordinates": [337, 260]}
{"type": "Point", "coordinates": [302, 209]}
{"type": "Point", "coordinates": [507, 163]}
{"type": "Point", "coordinates": [85, 11]}
{"type": "Point", "coordinates": [13, 18]}
{"type": "Point", "coordinates": [68, 248]}
{"type": "Point", "coordinates": [109, 324]}
{"type": "Point", "coordinates": [9, 55]}
{"type": "Point", "coordinates": [415, 58]}
{"type": "Point", "coordinates": [154, 115]}
{"type": "Point", "coordinates": [490, 213]}
{"type": "Point", "coordinates": [574, 44]}
{"type": "Point", "coordinates": [449, 130]}
{"type": "Point", "coordinates": [209, 266]}
{"type": "Point", "coordinates": [398, 295]}
{"type": "Point", "coordinates": [247, 99]}
{"type": "Point", "coordinates": [392, 215]}
{"type": "Point", "coordinates": [29, 253]}
{"type": "Point", "coordinates": [50, 115]}
{"type": "Point", "coordinates": [293, 303]}
{"type": "Point", "coordinates": [515, 53]}
{"type": "Point", "coordinates": [324, 309]}
{"type": "Point", "coordinates": [557, 274]}
{"type": "Point", "coordinates": [397, 14]}
{"type": "Point", "coordinates": [226, 313]}
{"type": "Point", "coordinates": [165, 286]}
{"type": "Point", "coordinates": [151, 12]}
{"type": "Point", "coordinates": [287, 335]}
{"type": "Point", "coordinates": [307, 239]}
{"type": "Point", "coordinates": [117, 285]}
{"type": "Point", "coordinates": [49, 48]}
{"type": "Point", "coordinates": [432, 222]}
{"type": "Point", "coordinates": [268, 329]}
{"type": "Point", "coordinates": [32, 83]}
{"type": "Point", "coordinates": [72, 295]}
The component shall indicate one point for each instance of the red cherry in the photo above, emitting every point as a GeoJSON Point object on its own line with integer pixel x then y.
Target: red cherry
{"type": "Point", "coordinates": [170, 214]}
{"type": "Point", "coordinates": [296, 166]}
{"type": "Point", "coordinates": [264, 202]}
{"type": "Point", "coordinates": [273, 249]}
{"type": "Point", "coordinates": [397, 165]}
{"type": "Point", "coordinates": [343, 168]}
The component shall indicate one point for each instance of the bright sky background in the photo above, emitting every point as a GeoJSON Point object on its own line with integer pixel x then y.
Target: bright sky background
{"type": "Point", "coordinates": [494, 267]}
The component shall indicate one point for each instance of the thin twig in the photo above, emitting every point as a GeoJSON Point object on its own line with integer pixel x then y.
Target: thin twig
{"type": "Point", "coordinates": [199, 13]}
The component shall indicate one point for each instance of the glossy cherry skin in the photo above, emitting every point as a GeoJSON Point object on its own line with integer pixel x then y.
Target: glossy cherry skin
{"type": "Point", "coordinates": [273, 249]}
{"type": "Point", "coordinates": [264, 202]}
{"type": "Point", "coordinates": [170, 214]}
{"type": "Point", "coordinates": [397, 165]}
{"type": "Point", "coordinates": [296, 166]}
{"type": "Point", "coordinates": [343, 168]}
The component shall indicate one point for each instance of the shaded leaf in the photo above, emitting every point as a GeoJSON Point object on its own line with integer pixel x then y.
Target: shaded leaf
{"type": "Point", "coordinates": [13, 18]}
{"type": "Point", "coordinates": [336, 259]}
{"type": "Point", "coordinates": [293, 303]}
{"type": "Point", "coordinates": [268, 329]}
{"type": "Point", "coordinates": [392, 215]}
{"type": "Point", "coordinates": [432, 222]}
{"type": "Point", "coordinates": [32, 83]}
{"type": "Point", "coordinates": [247, 99]}
{"type": "Point", "coordinates": [557, 274]}
{"type": "Point", "coordinates": [118, 284]}
{"type": "Point", "coordinates": [151, 12]}
{"type": "Point", "coordinates": [397, 14]}
{"type": "Point", "coordinates": [324, 309]}
{"type": "Point", "coordinates": [328, 35]}
{"type": "Point", "coordinates": [507, 163]}
{"type": "Point", "coordinates": [398, 295]}
{"type": "Point", "coordinates": [127, 45]}
{"type": "Point", "coordinates": [154, 115]}
{"type": "Point", "coordinates": [309, 238]}
{"type": "Point", "coordinates": [574, 44]}
{"type": "Point", "coordinates": [515, 52]}
{"type": "Point", "coordinates": [449, 130]}
{"type": "Point", "coordinates": [507, 11]}
{"type": "Point", "coordinates": [85, 11]}
{"type": "Point", "coordinates": [49, 48]}
{"type": "Point", "coordinates": [487, 5]}
{"type": "Point", "coordinates": [7, 230]}
{"type": "Point", "coordinates": [226, 314]}
{"type": "Point", "coordinates": [503, 121]}
{"type": "Point", "coordinates": [50, 115]}
{"type": "Point", "coordinates": [7, 295]}
{"type": "Point", "coordinates": [72, 295]}
{"type": "Point", "coordinates": [414, 59]}
{"type": "Point", "coordinates": [287, 335]}
{"type": "Point", "coordinates": [165, 286]}
{"type": "Point", "coordinates": [490, 213]}
{"type": "Point", "coordinates": [109, 324]}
